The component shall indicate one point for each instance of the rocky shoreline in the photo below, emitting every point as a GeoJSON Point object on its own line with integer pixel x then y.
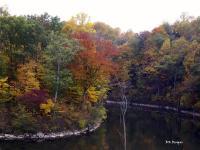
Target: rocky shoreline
{"type": "Point", "coordinates": [48, 136]}
{"type": "Point", "coordinates": [56, 135]}
{"type": "Point", "coordinates": [173, 109]}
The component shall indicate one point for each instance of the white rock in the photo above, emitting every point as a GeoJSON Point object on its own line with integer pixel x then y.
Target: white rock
{"type": "Point", "coordinates": [40, 134]}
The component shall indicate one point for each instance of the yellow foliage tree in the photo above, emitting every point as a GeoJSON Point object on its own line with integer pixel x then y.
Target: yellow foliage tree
{"type": "Point", "coordinates": [47, 107]}
{"type": "Point", "coordinates": [27, 77]}
{"type": "Point", "coordinates": [79, 23]}
{"type": "Point", "coordinates": [166, 45]}
{"type": "Point", "coordinates": [94, 94]}
{"type": "Point", "coordinates": [5, 94]}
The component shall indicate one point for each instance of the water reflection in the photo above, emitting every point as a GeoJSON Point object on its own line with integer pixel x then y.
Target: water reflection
{"type": "Point", "coordinates": [145, 131]}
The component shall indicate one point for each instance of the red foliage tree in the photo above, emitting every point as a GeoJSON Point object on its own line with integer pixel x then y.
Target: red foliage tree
{"type": "Point", "coordinates": [34, 98]}
{"type": "Point", "coordinates": [86, 40]}
{"type": "Point", "coordinates": [93, 66]}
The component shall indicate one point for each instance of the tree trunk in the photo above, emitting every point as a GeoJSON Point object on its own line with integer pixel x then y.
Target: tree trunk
{"type": "Point", "coordinates": [158, 91]}
{"type": "Point", "coordinates": [124, 129]}
{"type": "Point", "coordinates": [175, 76]}
{"type": "Point", "coordinates": [57, 81]}
{"type": "Point", "coordinates": [178, 102]}
{"type": "Point", "coordinates": [123, 111]}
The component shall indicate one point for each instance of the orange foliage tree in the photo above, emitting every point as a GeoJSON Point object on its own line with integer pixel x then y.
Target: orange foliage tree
{"type": "Point", "coordinates": [92, 67]}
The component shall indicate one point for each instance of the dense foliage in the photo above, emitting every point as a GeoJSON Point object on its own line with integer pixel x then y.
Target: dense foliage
{"type": "Point", "coordinates": [56, 75]}
{"type": "Point", "coordinates": [53, 75]}
{"type": "Point", "coordinates": [164, 64]}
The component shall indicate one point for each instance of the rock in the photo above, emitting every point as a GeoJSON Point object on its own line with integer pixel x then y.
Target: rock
{"type": "Point", "coordinates": [77, 132]}
{"type": "Point", "coordinates": [40, 135]}
{"type": "Point", "coordinates": [2, 136]}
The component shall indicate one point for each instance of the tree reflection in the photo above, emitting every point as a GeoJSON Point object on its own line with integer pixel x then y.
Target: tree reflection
{"type": "Point", "coordinates": [145, 131]}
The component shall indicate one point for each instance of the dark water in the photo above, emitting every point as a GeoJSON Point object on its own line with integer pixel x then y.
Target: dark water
{"type": "Point", "coordinates": [145, 131]}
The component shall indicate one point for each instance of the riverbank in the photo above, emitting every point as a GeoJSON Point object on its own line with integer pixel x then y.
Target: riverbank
{"type": "Point", "coordinates": [141, 126]}
{"type": "Point", "coordinates": [182, 111]}
{"type": "Point", "coordinates": [49, 136]}
{"type": "Point", "coordinates": [14, 125]}
{"type": "Point", "coordinates": [56, 135]}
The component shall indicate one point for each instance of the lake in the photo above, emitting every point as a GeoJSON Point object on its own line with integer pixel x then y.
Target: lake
{"type": "Point", "coordinates": [145, 131]}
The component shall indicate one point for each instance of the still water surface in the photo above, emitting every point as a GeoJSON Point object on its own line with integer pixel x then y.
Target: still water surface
{"type": "Point", "coordinates": [145, 131]}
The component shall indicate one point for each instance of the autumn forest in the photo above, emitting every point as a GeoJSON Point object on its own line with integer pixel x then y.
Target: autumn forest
{"type": "Point", "coordinates": [57, 75]}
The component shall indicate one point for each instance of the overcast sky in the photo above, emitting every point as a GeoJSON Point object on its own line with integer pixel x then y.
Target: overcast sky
{"type": "Point", "coordinates": [137, 15]}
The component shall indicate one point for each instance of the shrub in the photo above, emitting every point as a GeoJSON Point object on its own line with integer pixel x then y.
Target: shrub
{"type": "Point", "coordinates": [47, 107]}
{"type": "Point", "coordinates": [197, 105]}
{"type": "Point", "coordinates": [186, 100]}
{"type": "Point", "coordinates": [98, 113]}
{"type": "Point", "coordinates": [82, 123]}
{"type": "Point", "coordinates": [34, 98]}
{"type": "Point", "coordinates": [23, 121]}
{"type": "Point", "coordinates": [4, 90]}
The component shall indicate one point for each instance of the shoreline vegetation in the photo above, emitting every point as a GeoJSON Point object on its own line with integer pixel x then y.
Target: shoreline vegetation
{"type": "Point", "coordinates": [56, 75]}
{"type": "Point", "coordinates": [65, 134]}
{"type": "Point", "coordinates": [190, 112]}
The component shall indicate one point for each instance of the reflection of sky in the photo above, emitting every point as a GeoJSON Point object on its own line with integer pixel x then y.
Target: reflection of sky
{"type": "Point", "coordinates": [137, 15]}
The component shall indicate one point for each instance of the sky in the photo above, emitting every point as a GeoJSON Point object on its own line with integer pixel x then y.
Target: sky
{"type": "Point", "coordinates": [137, 15]}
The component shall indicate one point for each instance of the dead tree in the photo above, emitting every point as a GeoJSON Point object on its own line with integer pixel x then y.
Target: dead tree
{"type": "Point", "coordinates": [123, 107]}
